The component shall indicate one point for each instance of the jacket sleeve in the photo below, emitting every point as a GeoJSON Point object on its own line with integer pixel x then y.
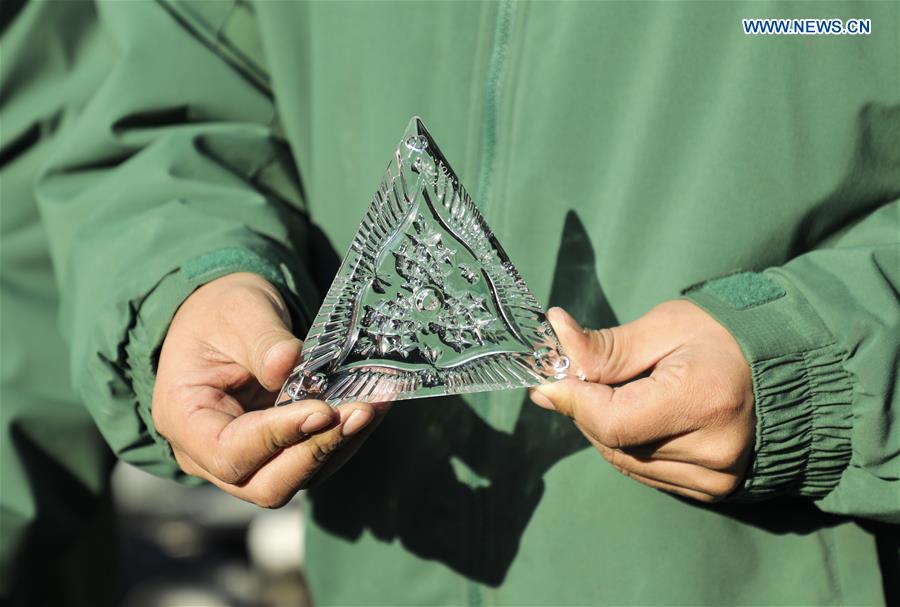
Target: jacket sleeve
{"type": "Point", "coordinates": [172, 174]}
{"type": "Point", "coordinates": [822, 337]}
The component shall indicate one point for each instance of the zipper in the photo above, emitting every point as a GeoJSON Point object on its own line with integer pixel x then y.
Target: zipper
{"type": "Point", "coordinates": [497, 62]}
{"type": "Point", "coordinates": [493, 84]}
{"type": "Point", "coordinates": [492, 89]}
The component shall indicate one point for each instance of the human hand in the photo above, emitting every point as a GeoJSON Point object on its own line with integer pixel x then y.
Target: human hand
{"type": "Point", "coordinates": [227, 352]}
{"type": "Point", "coordinates": [689, 426]}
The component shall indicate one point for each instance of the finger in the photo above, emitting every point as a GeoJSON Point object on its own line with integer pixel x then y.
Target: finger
{"type": "Point", "coordinates": [616, 354]}
{"type": "Point", "coordinates": [231, 445]}
{"type": "Point", "coordinates": [680, 474]}
{"type": "Point", "coordinates": [253, 396]}
{"type": "Point", "coordinates": [670, 488]}
{"type": "Point", "coordinates": [641, 412]}
{"type": "Point", "coordinates": [189, 466]}
{"type": "Point", "coordinates": [292, 469]}
{"type": "Point", "coordinates": [575, 399]}
{"type": "Point", "coordinates": [541, 400]}
{"type": "Point", "coordinates": [720, 450]}
{"type": "Point", "coordinates": [716, 451]}
{"type": "Point", "coordinates": [350, 447]}
{"type": "Point", "coordinates": [262, 341]}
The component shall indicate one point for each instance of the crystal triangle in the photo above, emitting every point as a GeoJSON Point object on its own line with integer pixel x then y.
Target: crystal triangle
{"type": "Point", "coordinates": [426, 301]}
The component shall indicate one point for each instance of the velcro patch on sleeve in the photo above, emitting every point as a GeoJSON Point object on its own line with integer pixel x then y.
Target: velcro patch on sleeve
{"type": "Point", "coordinates": [744, 290]}
{"type": "Point", "coordinates": [235, 260]}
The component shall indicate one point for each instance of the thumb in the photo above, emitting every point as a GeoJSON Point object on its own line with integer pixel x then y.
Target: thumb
{"type": "Point", "coordinates": [616, 354]}
{"type": "Point", "coordinates": [275, 358]}
{"type": "Point", "coordinates": [266, 348]}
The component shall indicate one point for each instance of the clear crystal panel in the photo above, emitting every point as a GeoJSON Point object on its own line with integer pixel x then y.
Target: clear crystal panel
{"type": "Point", "coordinates": [426, 301]}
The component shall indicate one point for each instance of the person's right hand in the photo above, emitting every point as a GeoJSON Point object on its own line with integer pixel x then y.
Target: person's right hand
{"type": "Point", "coordinates": [227, 353]}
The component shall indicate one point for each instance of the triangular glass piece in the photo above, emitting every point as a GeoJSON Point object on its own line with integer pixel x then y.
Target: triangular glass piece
{"type": "Point", "coordinates": [426, 302]}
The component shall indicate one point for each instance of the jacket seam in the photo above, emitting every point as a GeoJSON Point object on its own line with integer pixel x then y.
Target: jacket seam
{"type": "Point", "coordinates": [248, 69]}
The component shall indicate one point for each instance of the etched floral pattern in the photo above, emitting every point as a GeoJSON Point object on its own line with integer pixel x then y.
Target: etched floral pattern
{"type": "Point", "coordinates": [430, 304]}
{"type": "Point", "coordinates": [426, 301]}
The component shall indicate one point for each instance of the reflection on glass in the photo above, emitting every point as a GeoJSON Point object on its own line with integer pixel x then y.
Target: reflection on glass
{"type": "Point", "coordinates": [426, 301]}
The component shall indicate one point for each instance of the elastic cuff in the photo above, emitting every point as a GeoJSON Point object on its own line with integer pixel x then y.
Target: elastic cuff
{"type": "Point", "coordinates": [801, 390]}
{"type": "Point", "coordinates": [156, 311]}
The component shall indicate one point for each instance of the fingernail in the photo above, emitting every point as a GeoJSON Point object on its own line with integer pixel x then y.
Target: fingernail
{"type": "Point", "coordinates": [314, 423]}
{"type": "Point", "coordinates": [541, 400]}
{"type": "Point", "coordinates": [565, 318]}
{"type": "Point", "coordinates": [356, 422]}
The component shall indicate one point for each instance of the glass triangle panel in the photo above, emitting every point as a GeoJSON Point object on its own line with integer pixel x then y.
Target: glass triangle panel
{"type": "Point", "coordinates": [426, 301]}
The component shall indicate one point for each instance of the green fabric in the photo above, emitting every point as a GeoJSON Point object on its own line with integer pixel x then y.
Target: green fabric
{"type": "Point", "coordinates": [191, 161]}
{"type": "Point", "coordinates": [802, 391]}
{"type": "Point", "coordinates": [744, 289]}
{"type": "Point", "coordinates": [56, 543]}
{"type": "Point", "coordinates": [233, 259]}
{"type": "Point", "coordinates": [145, 337]}
{"type": "Point", "coordinates": [622, 151]}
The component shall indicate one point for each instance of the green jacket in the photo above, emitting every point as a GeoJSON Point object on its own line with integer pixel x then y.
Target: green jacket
{"type": "Point", "coordinates": [623, 153]}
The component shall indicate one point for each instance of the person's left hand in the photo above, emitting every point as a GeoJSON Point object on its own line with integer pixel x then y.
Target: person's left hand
{"type": "Point", "coordinates": [689, 426]}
